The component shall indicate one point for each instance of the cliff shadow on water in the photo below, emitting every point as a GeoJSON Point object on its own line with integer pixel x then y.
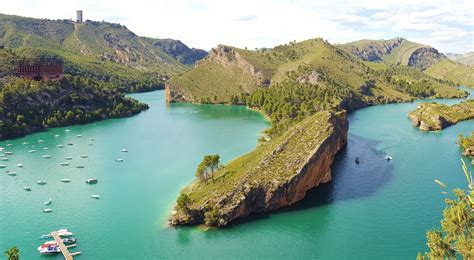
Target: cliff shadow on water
{"type": "Point", "coordinates": [349, 180]}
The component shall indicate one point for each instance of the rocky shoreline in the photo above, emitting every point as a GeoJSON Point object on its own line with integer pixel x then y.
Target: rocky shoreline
{"type": "Point", "coordinates": [434, 116]}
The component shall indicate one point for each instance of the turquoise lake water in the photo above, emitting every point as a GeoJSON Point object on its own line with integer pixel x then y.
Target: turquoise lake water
{"type": "Point", "coordinates": [377, 209]}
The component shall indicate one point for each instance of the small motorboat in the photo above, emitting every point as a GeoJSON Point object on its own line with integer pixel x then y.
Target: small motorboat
{"type": "Point", "coordinates": [91, 181]}
{"type": "Point", "coordinates": [84, 156]}
{"type": "Point", "coordinates": [32, 151]}
{"type": "Point", "coordinates": [440, 183]}
{"type": "Point", "coordinates": [25, 143]}
{"type": "Point", "coordinates": [95, 196]}
{"type": "Point", "coordinates": [70, 143]}
{"type": "Point", "coordinates": [67, 130]}
{"type": "Point", "coordinates": [68, 158]}
{"type": "Point", "coordinates": [9, 145]}
{"type": "Point", "coordinates": [27, 188]}
{"type": "Point", "coordinates": [388, 157]}
{"type": "Point", "coordinates": [64, 164]}
{"type": "Point", "coordinates": [64, 233]}
{"type": "Point", "coordinates": [19, 165]}
{"type": "Point", "coordinates": [11, 173]}
{"type": "Point", "coordinates": [47, 156]}
{"type": "Point", "coordinates": [79, 135]}
{"type": "Point", "coordinates": [50, 250]}
{"type": "Point", "coordinates": [119, 160]}
{"type": "Point", "coordinates": [60, 146]}
{"type": "Point", "coordinates": [357, 160]}
{"type": "Point", "coordinates": [41, 182]}
{"type": "Point", "coordinates": [3, 166]}
{"type": "Point", "coordinates": [69, 240]}
{"type": "Point", "coordinates": [45, 148]}
{"type": "Point", "coordinates": [48, 202]}
{"type": "Point", "coordinates": [79, 166]}
{"type": "Point", "coordinates": [66, 180]}
{"type": "Point", "coordinates": [124, 150]}
{"type": "Point", "coordinates": [4, 159]}
{"type": "Point", "coordinates": [40, 141]}
{"type": "Point", "coordinates": [8, 153]}
{"type": "Point", "coordinates": [47, 244]}
{"type": "Point", "coordinates": [56, 136]}
{"type": "Point", "coordinates": [47, 210]}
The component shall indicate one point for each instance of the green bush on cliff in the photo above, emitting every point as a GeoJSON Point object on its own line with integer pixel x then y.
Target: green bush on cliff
{"type": "Point", "coordinates": [455, 237]}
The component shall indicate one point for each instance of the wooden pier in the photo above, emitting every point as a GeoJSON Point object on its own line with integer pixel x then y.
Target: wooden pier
{"type": "Point", "coordinates": [64, 249]}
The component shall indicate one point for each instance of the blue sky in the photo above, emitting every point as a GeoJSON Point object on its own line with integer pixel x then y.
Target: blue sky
{"type": "Point", "coordinates": [446, 25]}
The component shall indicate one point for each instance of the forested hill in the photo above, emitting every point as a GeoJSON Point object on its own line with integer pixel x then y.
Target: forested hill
{"type": "Point", "coordinates": [104, 51]}
{"type": "Point", "coordinates": [400, 51]}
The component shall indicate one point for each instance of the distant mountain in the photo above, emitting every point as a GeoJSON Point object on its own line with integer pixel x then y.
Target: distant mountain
{"type": "Point", "coordinates": [100, 49]}
{"type": "Point", "coordinates": [400, 51]}
{"type": "Point", "coordinates": [466, 58]}
{"type": "Point", "coordinates": [179, 50]}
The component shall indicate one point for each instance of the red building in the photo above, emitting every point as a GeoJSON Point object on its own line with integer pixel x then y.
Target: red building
{"type": "Point", "coordinates": [40, 69]}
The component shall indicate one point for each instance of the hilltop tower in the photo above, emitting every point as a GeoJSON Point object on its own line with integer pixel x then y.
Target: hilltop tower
{"type": "Point", "coordinates": [79, 16]}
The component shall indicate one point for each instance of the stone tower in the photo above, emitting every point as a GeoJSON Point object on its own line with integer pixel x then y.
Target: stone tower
{"type": "Point", "coordinates": [79, 16]}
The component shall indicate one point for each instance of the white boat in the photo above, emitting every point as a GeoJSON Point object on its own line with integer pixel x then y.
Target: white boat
{"type": "Point", "coordinates": [66, 180]}
{"type": "Point", "coordinates": [64, 164]}
{"type": "Point", "coordinates": [32, 151]}
{"type": "Point", "coordinates": [60, 146]}
{"type": "Point", "coordinates": [45, 148]}
{"type": "Point", "coordinates": [84, 156]}
{"type": "Point", "coordinates": [8, 153]}
{"type": "Point", "coordinates": [95, 196]}
{"type": "Point", "coordinates": [47, 210]}
{"type": "Point", "coordinates": [124, 150]}
{"type": "Point", "coordinates": [68, 158]}
{"type": "Point", "coordinates": [79, 135]}
{"type": "Point", "coordinates": [48, 202]}
{"type": "Point", "coordinates": [91, 181]}
{"type": "Point", "coordinates": [3, 166]}
{"type": "Point", "coordinates": [80, 166]}
{"type": "Point", "coordinates": [41, 182]}
{"type": "Point", "coordinates": [119, 160]}
{"type": "Point", "coordinates": [9, 145]}
{"type": "Point", "coordinates": [27, 188]}
{"type": "Point", "coordinates": [56, 136]}
{"type": "Point", "coordinates": [64, 233]}
{"type": "Point", "coordinates": [51, 250]}
{"type": "Point", "coordinates": [11, 173]}
{"type": "Point", "coordinates": [47, 156]}
{"type": "Point", "coordinates": [388, 157]}
{"type": "Point", "coordinates": [67, 130]}
{"type": "Point", "coordinates": [19, 165]}
{"type": "Point", "coordinates": [4, 159]}
{"type": "Point", "coordinates": [40, 141]}
{"type": "Point", "coordinates": [70, 143]}
{"type": "Point", "coordinates": [25, 143]}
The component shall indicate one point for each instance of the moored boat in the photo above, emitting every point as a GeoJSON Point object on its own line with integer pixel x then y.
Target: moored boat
{"type": "Point", "coordinates": [64, 164]}
{"type": "Point", "coordinates": [3, 166]}
{"type": "Point", "coordinates": [124, 150]}
{"type": "Point", "coordinates": [47, 210]}
{"type": "Point", "coordinates": [27, 188]}
{"type": "Point", "coordinates": [32, 151]}
{"type": "Point", "coordinates": [4, 159]}
{"type": "Point", "coordinates": [8, 153]}
{"type": "Point", "coordinates": [95, 196]}
{"type": "Point", "coordinates": [48, 202]}
{"type": "Point", "coordinates": [68, 158]}
{"type": "Point", "coordinates": [66, 180]}
{"type": "Point", "coordinates": [84, 156]}
{"type": "Point", "coordinates": [79, 166]}
{"type": "Point", "coordinates": [19, 165]}
{"type": "Point", "coordinates": [41, 182]}
{"type": "Point", "coordinates": [60, 146]}
{"type": "Point", "coordinates": [47, 156]}
{"type": "Point", "coordinates": [11, 173]}
{"type": "Point", "coordinates": [119, 160]}
{"type": "Point", "coordinates": [91, 181]}
{"type": "Point", "coordinates": [49, 250]}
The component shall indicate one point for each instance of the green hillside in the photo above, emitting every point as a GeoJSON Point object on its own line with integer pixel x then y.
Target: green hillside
{"type": "Point", "coordinates": [452, 71]}
{"type": "Point", "coordinates": [100, 50]}
{"type": "Point", "coordinates": [400, 51]}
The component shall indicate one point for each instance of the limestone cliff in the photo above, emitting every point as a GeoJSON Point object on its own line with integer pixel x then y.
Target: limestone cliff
{"type": "Point", "coordinates": [275, 175]}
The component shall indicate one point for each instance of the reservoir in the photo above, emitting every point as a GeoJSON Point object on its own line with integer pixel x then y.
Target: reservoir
{"type": "Point", "coordinates": [375, 209]}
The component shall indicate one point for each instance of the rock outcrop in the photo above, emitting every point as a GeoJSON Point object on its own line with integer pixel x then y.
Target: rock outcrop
{"type": "Point", "coordinates": [433, 116]}
{"type": "Point", "coordinates": [424, 57]}
{"type": "Point", "coordinates": [255, 191]}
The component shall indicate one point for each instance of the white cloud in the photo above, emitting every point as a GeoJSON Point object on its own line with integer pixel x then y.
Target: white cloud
{"type": "Point", "coordinates": [445, 24]}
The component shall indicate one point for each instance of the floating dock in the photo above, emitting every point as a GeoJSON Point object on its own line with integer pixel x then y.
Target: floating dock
{"type": "Point", "coordinates": [64, 249]}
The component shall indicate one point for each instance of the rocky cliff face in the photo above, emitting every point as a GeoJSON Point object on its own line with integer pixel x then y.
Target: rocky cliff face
{"type": "Point", "coordinates": [374, 53]}
{"type": "Point", "coordinates": [433, 116]}
{"type": "Point", "coordinates": [423, 58]}
{"type": "Point", "coordinates": [251, 196]}
{"type": "Point", "coordinates": [229, 57]}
